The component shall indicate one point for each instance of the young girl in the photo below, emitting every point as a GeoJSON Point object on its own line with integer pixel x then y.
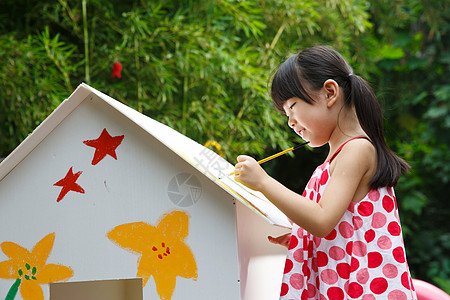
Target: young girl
{"type": "Point", "coordinates": [346, 240]}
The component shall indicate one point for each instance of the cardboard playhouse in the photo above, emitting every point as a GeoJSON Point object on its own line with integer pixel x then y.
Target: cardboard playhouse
{"type": "Point", "coordinates": [102, 202]}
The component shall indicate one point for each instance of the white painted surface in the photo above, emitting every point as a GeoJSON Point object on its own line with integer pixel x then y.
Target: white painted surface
{"type": "Point", "coordinates": [261, 262]}
{"type": "Point", "coordinates": [130, 189]}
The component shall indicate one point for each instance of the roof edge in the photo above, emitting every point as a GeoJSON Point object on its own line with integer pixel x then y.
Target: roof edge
{"type": "Point", "coordinates": [43, 130]}
{"type": "Point", "coordinates": [173, 141]}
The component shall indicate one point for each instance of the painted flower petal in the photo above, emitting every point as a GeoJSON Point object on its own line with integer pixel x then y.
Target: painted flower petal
{"type": "Point", "coordinates": [174, 225]}
{"type": "Point", "coordinates": [12, 250]}
{"type": "Point", "coordinates": [165, 284]}
{"type": "Point", "coordinates": [146, 265]}
{"type": "Point", "coordinates": [53, 273]}
{"type": "Point", "coordinates": [42, 249]}
{"type": "Point", "coordinates": [134, 237]}
{"type": "Point", "coordinates": [163, 252]}
{"type": "Point", "coordinates": [8, 269]}
{"type": "Point", "coordinates": [184, 262]}
{"type": "Point", "coordinates": [181, 262]}
{"type": "Point", "coordinates": [30, 290]}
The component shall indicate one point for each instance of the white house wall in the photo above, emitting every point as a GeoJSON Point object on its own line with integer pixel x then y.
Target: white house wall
{"type": "Point", "coordinates": [130, 189]}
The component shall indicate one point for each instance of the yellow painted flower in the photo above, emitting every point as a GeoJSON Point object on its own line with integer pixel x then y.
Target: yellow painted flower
{"type": "Point", "coordinates": [162, 250]}
{"type": "Point", "coordinates": [29, 269]}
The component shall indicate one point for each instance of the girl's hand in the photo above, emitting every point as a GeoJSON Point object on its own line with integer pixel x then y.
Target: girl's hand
{"type": "Point", "coordinates": [248, 172]}
{"type": "Point", "coordinates": [282, 240]}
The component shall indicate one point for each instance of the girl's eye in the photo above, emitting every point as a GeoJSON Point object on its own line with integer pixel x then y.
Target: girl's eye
{"type": "Point", "coordinates": [292, 106]}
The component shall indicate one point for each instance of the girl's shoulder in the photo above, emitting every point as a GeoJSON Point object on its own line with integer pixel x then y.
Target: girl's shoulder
{"type": "Point", "coordinates": [359, 145]}
{"type": "Point", "coordinates": [357, 154]}
{"type": "Point", "coordinates": [354, 168]}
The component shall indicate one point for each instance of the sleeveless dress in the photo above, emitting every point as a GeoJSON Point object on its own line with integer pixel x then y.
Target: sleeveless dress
{"type": "Point", "coordinates": [363, 257]}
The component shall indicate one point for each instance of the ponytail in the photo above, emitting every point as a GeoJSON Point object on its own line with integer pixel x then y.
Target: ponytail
{"type": "Point", "coordinates": [389, 166]}
{"type": "Point", "coordinates": [311, 68]}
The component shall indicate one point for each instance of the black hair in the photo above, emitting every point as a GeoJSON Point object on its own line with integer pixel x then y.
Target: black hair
{"type": "Point", "coordinates": [308, 71]}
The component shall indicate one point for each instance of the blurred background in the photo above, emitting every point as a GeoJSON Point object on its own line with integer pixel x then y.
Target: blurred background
{"type": "Point", "coordinates": [202, 68]}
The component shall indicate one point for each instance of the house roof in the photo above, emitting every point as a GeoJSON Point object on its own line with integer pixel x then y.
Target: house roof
{"type": "Point", "coordinates": [166, 135]}
{"type": "Point", "coordinates": [187, 149]}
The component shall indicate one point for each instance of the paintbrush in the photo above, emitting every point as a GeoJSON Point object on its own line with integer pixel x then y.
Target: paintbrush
{"type": "Point", "coordinates": [278, 154]}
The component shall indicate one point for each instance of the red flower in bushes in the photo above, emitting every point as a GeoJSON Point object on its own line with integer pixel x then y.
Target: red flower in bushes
{"type": "Point", "coordinates": [116, 69]}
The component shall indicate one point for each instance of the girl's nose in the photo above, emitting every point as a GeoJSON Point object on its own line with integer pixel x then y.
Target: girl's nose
{"type": "Point", "coordinates": [291, 122]}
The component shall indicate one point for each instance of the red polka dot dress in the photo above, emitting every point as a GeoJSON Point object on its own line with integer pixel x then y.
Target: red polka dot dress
{"type": "Point", "coordinates": [363, 257]}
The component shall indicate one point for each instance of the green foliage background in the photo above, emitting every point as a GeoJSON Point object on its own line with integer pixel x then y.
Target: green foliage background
{"type": "Point", "coordinates": [202, 67]}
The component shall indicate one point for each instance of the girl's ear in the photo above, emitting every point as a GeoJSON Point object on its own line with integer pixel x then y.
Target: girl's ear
{"type": "Point", "coordinates": [331, 89]}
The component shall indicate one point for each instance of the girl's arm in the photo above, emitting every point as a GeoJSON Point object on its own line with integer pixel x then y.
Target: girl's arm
{"type": "Point", "coordinates": [351, 171]}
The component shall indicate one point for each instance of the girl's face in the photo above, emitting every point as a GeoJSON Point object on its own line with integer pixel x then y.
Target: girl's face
{"type": "Point", "coordinates": [313, 122]}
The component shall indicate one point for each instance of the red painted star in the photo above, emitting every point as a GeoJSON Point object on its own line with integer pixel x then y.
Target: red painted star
{"type": "Point", "coordinates": [68, 184]}
{"type": "Point", "coordinates": [105, 144]}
